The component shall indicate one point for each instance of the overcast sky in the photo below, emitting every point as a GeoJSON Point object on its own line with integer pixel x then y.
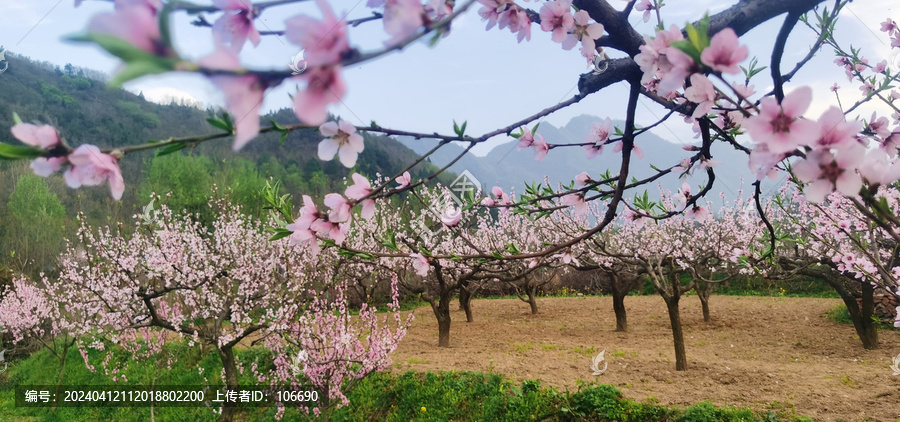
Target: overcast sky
{"type": "Point", "coordinates": [483, 77]}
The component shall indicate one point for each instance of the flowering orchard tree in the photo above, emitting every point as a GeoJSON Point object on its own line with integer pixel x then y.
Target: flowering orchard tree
{"type": "Point", "coordinates": [701, 73]}
{"type": "Point", "coordinates": [837, 243]}
{"type": "Point", "coordinates": [677, 253]}
{"type": "Point", "coordinates": [27, 314]}
{"type": "Point", "coordinates": [332, 350]}
{"type": "Point", "coordinates": [219, 285]}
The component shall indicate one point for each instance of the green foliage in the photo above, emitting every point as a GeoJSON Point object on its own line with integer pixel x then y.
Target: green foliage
{"type": "Point", "coordinates": [35, 224]}
{"type": "Point", "coordinates": [56, 95]}
{"type": "Point", "coordinates": [841, 315]}
{"type": "Point", "coordinates": [429, 396]}
{"type": "Point", "coordinates": [134, 111]}
{"type": "Point", "coordinates": [707, 412]}
{"type": "Point", "coordinates": [184, 181]}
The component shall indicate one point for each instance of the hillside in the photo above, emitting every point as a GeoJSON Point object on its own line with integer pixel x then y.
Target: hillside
{"type": "Point", "coordinates": [509, 168]}
{"type": "Point", "coordinates": [84, 110]}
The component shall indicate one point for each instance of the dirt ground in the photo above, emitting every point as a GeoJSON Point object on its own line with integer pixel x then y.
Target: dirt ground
{"type": "Point", "coordinates": [765, 353]}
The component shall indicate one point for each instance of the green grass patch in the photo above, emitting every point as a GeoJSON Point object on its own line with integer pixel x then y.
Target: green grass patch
{"type": "Point", "coordinates": [841, 315]}
{"type": "Point", "coordinates": [411, 396]}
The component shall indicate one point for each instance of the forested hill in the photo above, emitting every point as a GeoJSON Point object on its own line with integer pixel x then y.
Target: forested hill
{"type": "Point", "coordinates": [35, 214]}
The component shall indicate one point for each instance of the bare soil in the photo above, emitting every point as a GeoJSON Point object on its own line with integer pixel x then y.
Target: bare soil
{"type": "Point", "coordinates": [764, 353]}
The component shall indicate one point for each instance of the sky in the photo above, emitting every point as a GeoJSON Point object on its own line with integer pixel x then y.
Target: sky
{"type": "Point", "coordinates": [483, 77]}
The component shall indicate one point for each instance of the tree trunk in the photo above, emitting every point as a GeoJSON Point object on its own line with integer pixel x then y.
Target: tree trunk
{"type": "Point", "coordinates": [704, 303]}
{"type": "Point", "coordinates": [619, 308]}
{"type": "Point", "coordinates": [532, 299]}
{"type": "Point", "coordinates": [62, 370]}
{"type": "Point", "coordinates": [465, 303]}
{"type": "Point", "coordinates": [442, 313]}
{"type": "Point", "coordinates": [861, 316]}
{"type": "Point", "coordinates": [231, 381]}
{"type": "Point", "coordinates": [869, 333]}
{"type": "Point", "coordinates": [677, 333]}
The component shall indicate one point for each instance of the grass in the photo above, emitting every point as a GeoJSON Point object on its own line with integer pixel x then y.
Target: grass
{"type": "Point", "coordinates": [411, 396]}
{"type": "Point", "coordinates": [841, 315]}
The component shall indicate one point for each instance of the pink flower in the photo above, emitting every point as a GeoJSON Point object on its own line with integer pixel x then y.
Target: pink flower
{"type": "Point", "coordinates": [593, 150]}
{"type": "Point", "coordinates": [585, 32]}
{"type": "Point", "coordinates": [302, 234]}
{"type": "Point", "coordinates": [360, 189]}
{"type": "Point", "coordinates": [451, 216]}
{"type": "Point", "coordinates": [575, 200]}
{"type": "Point", "coordinates": [582, 179]}
{"type": "Point", "coordinates": [600, 132]}
{"type": "Point", "coordinates": [243, 94]}
{"type": "Point", "coordinates": [331, 230]}
{"type": "Point", "coordinates": [867, 88]}
{"type": "Point", "coordinates": [781, 126]}
{"type": "Point", "coordinates": [653, 60]}
{"type": "Point", "coordinates": [402, 19]}
{"type": "Point", "coordinates": [703, 93]}
{"type": "Point", "coordinates": [41, 136]}
{"type": "Point", "coordinates": [880, 167]}
{"type": "Point", "coordinates": [646, 7]}
{"type": "Point", "coordinates": [235, 26]}
{"type": "Point", "coordinates": [834, 131]}
{"type": "Point", "coordinates": [526, 139]}
{"type": "Point", "coordinates": [324, 86]}
{"type": "Point", "coordinates": [826, 172]}
{"type": "Point", "coordinates": [879, 125]}
{"type": "Point", "coordinates": [889, 26]}
{"type": "Point", "coordinates": [633, 218]}
{"type": "Point", "coordinates": [90, 167]}
{"type": "Point", "coordinates": [420, 264]}
{"type": "Point", "coordinates": [763, 162]}
{"type": "Point", "coordinates": [518, 22]}
{"type": "Point", "coordinates": [835, 87]}
{"type": "Point", "coordinates": [880, 67]}
{"type": "Point", "coordinates": [342, 140]}
{"type": "Point", "coordinates": [135, 24]}
{"type": "Point", "coordinates": [324, 42]}
{"type": "Point", "coordinates": [491, 10]}
{"type": "Point", "coordinates": [404, 180]}
{"type": "Point", "coordinates": [636, 150]}
{"type": "Point", "coordinates": [44, 166]}
{"type": "Point", "coordinates": [540, 147]}
{"type": "Point", "coordinates": [682, 67]}
{"type": "Point", "coordinates": [502, 197]}
{"type": "Point", "coordinates": [684, 194]}
{"type": "Point", "coordinates": [700, 214]}
{"type": "Point", "coordinates": [340, 208]}
{"type": "Point", "coordinates": [724, 53]}
{"type": "Point", "coordinates": [556, 17]}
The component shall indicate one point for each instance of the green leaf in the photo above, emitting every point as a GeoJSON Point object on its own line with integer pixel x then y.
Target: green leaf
{"type": "Point", "coordinates": [687, 48]}
{"type": "Point", "coordinates": [219, 123]}
{"type": "Point", "coordinates": [16, 119]}
{"type": "Point", "coordinates": [17, 152]}
{"type": "Point", "coordinates": [280, 235]}
{"type": "Point", "coordinates": [278, 127]}
{"type": "Point", "coordinates": [137, 69]}
{"type": "Point", "coordinates": [118, 47]}
{"type": "Point", "coordinates": [165, 30]}
{"type": "Point", "coordinates": [283, 138]}
{"type": "Point", "coordinates": [170, 149]}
